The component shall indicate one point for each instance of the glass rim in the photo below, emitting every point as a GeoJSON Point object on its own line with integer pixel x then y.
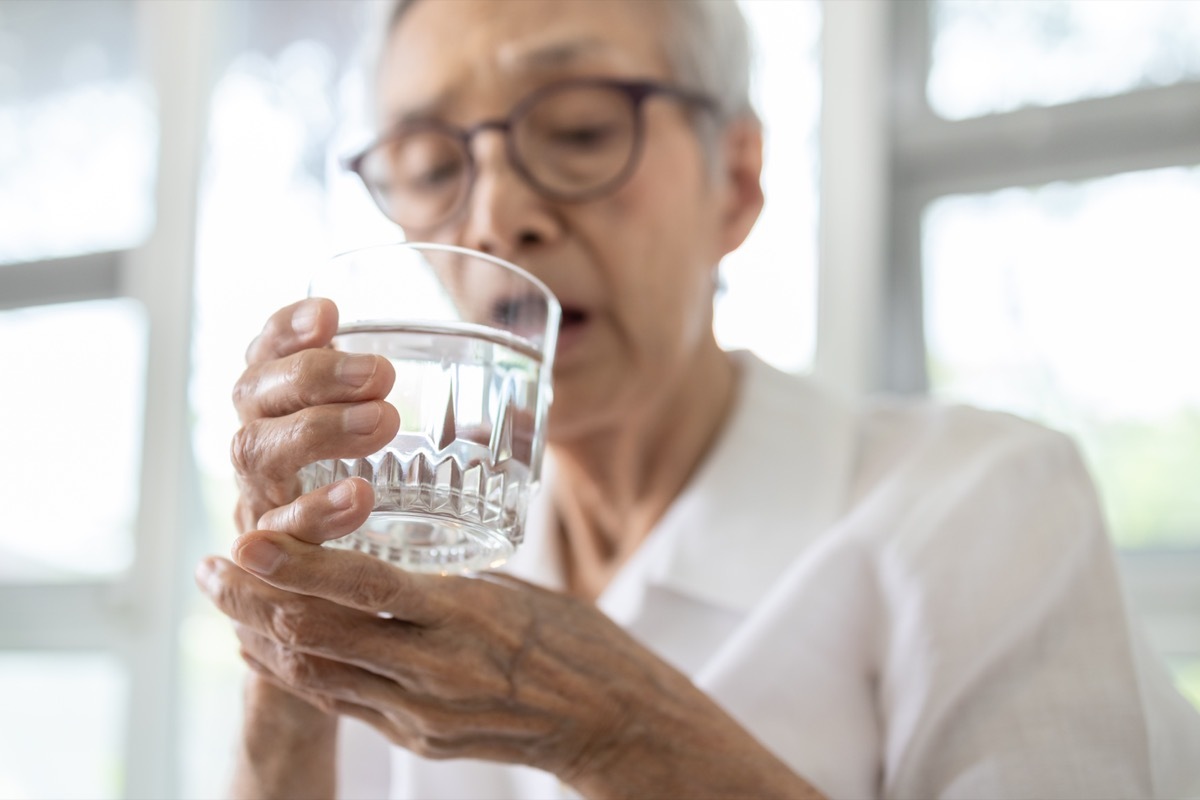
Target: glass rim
{"type": "Point", "coordinates": [553, 307]}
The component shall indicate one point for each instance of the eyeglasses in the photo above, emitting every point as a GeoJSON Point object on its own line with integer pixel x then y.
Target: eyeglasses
{"type": "Point", "coordinates": [572, 141]}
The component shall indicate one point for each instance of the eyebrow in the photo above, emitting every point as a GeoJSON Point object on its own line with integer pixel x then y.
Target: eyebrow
{"type": "Point", "coordinates": [554, 54]}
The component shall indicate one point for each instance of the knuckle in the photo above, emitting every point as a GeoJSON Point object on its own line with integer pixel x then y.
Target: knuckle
{"type": "Point", "coordinates": [304, 375]}
{"type": "Point", "coordinates": [432, 747]}
{"type": "Point", "coordinates": [243, 390]}
{"type": "Point", "coordinates": [244, 449]}
{"type": "Point", "coordinates": [297, 669]}
{"type": "Point", "coordinates": [307, 428]}
{"type": "Point", "coordinates": [375, 591]}
{"type": "Point", "coordinates": [291, 624]}
{"type": "Point", "coordinates": [437, 736]}
{"type": "Point", "coordinates": [298, 372]}
{"type": "Point", "coordinates": [253, 348]}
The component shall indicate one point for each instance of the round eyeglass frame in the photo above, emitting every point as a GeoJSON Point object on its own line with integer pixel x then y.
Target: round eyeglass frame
{"type": "Point", "coordinates": [635, 91]}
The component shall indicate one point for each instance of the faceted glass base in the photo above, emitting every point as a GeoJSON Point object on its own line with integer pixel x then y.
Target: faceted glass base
{"type": "Point", "coordinates": [428, 543]}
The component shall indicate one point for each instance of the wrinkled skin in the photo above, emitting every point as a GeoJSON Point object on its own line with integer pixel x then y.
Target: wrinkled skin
{"type": "Point", "coordinates": [483, 667]}
{"type": "Point", "coordinates": [490, 667]}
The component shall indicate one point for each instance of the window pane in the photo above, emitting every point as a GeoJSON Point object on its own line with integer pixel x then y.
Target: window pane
{"type": "Point", "coordinates": [1075, 304]}
{"type": "Point", "coordinates": [71, 434]}
{"type": "Point", "coordinates": [1187, 678]}
{"type": "Point", "coordinates": [77, 129]}
{"type": "Point", "coordinates": [990, 56]}
{"type": "Point", "coordinates": [770, 283]}
{"type": "Point", "coordinates": [211, 711]}
{"type": "Point", "coordinates": [64, 721]}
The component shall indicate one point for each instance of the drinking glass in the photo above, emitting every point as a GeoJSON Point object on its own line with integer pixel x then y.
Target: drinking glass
{"type": "Point", "coordinates": [471, 338]}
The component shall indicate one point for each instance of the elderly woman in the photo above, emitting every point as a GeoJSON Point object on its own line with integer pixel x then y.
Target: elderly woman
{"type": "Point", "coordinates": [734, 583]}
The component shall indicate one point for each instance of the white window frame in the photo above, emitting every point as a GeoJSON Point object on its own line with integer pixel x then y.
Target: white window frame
{"type": "Point", "coordinates": [135, 617]}
{"type": "Point", "coordinates": [885, 156]}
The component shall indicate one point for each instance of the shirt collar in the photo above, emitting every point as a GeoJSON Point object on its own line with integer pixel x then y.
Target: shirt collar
{"type": "Point", "coordinates": [777, 477]}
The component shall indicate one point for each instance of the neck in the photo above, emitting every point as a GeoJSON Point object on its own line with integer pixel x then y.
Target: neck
{"type": "Point", "coordinates": [615, 483]}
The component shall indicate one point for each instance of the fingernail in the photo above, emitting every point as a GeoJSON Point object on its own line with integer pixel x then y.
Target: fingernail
{"type": "Point", "coordinates": [341, 495]}
{"type": "Point", "coordinates": [304, 319]}
{"type": "Point", "coordinates": [362, 418]}
{"type": "Point", "coordinates": [261, 556]}
{"type": "Point", "coordinates": [356, 370]}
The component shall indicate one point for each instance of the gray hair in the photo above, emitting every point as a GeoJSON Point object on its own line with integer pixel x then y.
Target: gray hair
{"type": "Point", "coordinates": [707, 49]}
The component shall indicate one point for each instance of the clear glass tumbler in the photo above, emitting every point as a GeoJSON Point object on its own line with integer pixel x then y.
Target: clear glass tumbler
{"type": "Point", "coordinates": [472, 339]}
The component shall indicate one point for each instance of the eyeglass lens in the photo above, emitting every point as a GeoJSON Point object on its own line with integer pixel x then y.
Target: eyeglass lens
{"type": "Point", "coordinates": [569, 143]}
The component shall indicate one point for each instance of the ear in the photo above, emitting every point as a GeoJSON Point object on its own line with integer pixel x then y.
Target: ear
{"type": "Point", "coordinates": [741, 173]}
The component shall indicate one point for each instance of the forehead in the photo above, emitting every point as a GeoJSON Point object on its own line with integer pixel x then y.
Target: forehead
{"type": "Point", "coordinates": [442, 54]}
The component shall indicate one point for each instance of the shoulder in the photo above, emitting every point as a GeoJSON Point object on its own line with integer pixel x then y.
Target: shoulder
{"type": "Point", "coordinates": [950, 447]}
{"type": "Point", "coordinates": [963, 493]}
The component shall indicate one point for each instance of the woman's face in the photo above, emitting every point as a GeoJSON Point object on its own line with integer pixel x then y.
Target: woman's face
{"type": "Point", "coordinates": [634, 269]}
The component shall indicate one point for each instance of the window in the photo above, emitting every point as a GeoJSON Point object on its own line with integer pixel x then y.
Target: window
{"type": "Point", "coordinates": [64, 716]}
{"type": "Point", "coordinates": [95, 493]}
{"type": "Point", "coordinates": [769, 301]}
{"type": "Point", "coordinates": [1073, 304]}
{"type": "Point", "coordinates": [78, 131]}
{"type": "Point", "coordinates": [1055, 51]}
{"type": "Point", "coordinates": [78, 402]}
{"type": "Point", "coordinates": [1042, 186]}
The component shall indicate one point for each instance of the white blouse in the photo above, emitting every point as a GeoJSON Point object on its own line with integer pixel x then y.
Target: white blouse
{"type": "Point", "coordinates": [899, 600]}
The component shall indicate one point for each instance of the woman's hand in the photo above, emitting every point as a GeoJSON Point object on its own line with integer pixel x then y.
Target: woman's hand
{"type": "Point", "coordinates": [300, 401]}
{"type": "Point", "coordinates": [484, 667]}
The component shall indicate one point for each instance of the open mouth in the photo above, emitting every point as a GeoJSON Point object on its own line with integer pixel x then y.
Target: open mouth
{"type": "Point", "coordinates": [572, 318]}
{"type": "Point", "coordinates": [526, 316]}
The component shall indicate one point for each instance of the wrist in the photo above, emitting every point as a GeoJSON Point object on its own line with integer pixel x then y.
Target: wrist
{"type": "Point", "coordinates": [288, 745]}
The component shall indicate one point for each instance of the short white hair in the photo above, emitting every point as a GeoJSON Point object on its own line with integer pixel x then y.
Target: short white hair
{"type": "Point", "coordinates": [707, 47]}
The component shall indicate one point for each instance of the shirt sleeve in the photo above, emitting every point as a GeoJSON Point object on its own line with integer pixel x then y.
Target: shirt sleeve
{"type": "Point", "coordinates": [960, 632]}
{"type": "Point", "coordinates": [1009, 664]}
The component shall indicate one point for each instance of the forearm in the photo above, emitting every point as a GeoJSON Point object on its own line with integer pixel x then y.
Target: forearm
{"type": "Point", "coordinates": [288, 747]}
{"type": "Point", "coordinates": [688, 749]}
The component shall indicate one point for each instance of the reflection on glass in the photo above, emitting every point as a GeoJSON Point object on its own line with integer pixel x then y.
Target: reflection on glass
{"type": "Point", "coordinates": [992, 56]}
{"type": "Point", "coordinates": [1075, 304]}
{"type": "Point", "coordinates": [63, 726]}
{"type": "Point", "coordinates": [78, 132]}
{"type": "Point", "coordinates": [71, 438]}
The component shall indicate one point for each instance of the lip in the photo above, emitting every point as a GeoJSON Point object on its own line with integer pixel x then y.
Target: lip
{"type": "Point", "coordinates": [571, 330]}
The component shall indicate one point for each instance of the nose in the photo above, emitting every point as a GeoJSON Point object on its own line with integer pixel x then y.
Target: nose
{"type": "Point", "coordinates": [505, 215]}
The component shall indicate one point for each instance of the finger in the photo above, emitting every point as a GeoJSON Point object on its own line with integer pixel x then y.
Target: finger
{"type": "Point", "coordinates": [321, 703]}
{"type": "Point", "coordinates": [431, 729]}
{"type": "Point", "coordinates": [312, 377]}
{"type": "Point", "coordinates": [346, 577]}
{"type": "Point", "coordinates": [312, 625]}
{"type": "Point", "coordinates": [314, 675]}
{"type": "Point", "coordinates": [308, 323]}
{"type": "Point", "coordinates": [326, 513]}
{"type": "Point", "coordinates": [272, 450]}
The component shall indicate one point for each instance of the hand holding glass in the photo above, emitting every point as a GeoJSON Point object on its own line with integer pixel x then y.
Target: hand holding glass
{"type": "Point", "coordinates": [472, 339]}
